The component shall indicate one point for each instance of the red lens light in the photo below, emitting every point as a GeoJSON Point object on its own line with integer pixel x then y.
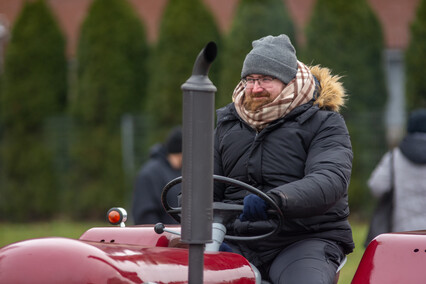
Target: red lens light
{"type": "Point", "coordinates": [117, 215]}
{"type": "Point", "coordinates": [114, 217]}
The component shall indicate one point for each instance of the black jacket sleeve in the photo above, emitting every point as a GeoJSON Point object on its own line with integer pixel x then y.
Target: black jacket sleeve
{"type": "Point", "coordinates": [327, 173]}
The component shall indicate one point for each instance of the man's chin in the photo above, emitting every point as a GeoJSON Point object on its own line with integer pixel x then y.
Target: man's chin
{"type": "Point", "coordinates": [254, 106]}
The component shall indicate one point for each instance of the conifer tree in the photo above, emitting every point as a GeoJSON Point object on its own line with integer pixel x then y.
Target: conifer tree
{"type": "Point", "coordinates": [347, 37]}
{"type": "Point", "coordinates": [186, 28]}
{"type": "Point", "coordinates": [34, 88]}
{"type": "Point", "coordinates": [415, 56]}
{"type": "Point", "coordinates": [111, 76]}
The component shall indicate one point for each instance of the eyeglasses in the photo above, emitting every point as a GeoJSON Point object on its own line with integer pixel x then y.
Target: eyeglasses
{"type": "Point", "coordinates": [262, 81]}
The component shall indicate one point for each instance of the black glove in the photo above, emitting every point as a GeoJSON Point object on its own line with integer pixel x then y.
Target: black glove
{"type": "Point", "coordinates": [254, 208]}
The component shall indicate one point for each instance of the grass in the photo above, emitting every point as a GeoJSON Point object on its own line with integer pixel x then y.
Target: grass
{"type": "Point", "coordinates": [359, 230]}
{"type": "Point", "coordinates": [13, 232]}
{"type": "Point", "coordinates": [10, 233]}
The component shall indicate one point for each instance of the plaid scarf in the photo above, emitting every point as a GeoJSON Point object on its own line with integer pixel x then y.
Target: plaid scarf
{"type": "Point", "coordinates": [297, 92]}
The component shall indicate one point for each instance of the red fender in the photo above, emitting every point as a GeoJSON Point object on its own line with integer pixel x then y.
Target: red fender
{"type": "Point", "coordinates": [394, 258]}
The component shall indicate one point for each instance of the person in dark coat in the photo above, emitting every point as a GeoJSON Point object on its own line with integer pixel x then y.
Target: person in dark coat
{"type": "Point", "coordinates": [164, 165]}
{"type": "Point", "coordinates": [283, 134]}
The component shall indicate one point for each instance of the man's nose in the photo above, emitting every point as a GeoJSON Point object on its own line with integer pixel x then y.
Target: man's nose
{"type": "Point", "coordinates": [257, 87]}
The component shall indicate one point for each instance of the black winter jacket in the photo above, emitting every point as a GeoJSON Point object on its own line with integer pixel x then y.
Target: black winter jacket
{"type": "Point", "coordinates": [151, 179]}
{"type": "Point", "coordinates": [303, 161]}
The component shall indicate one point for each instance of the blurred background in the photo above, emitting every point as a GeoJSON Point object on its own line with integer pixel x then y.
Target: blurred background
{"type": "Point", "coordinates": [87, 86]}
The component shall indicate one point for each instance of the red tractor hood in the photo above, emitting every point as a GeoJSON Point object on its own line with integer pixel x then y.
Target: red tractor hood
{"type": "Point", "coordinates": [63, 260]}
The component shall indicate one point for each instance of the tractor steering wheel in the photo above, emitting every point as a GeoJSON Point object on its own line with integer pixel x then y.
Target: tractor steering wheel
{"type": "Point", "coordinates": [223, 212]}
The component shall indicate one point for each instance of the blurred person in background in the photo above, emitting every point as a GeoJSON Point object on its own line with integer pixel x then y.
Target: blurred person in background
{"type": "Point", "coordinates": [403, 169]}
{"type": "Point", "coordinates": [164, 164]}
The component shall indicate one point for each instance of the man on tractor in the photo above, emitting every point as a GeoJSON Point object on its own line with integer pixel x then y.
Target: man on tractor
{"type": "Point", "coordinates": [283, 134]}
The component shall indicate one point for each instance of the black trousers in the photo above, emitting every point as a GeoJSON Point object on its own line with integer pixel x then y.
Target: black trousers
{"type": "Point", "coordinates": [311, 261]}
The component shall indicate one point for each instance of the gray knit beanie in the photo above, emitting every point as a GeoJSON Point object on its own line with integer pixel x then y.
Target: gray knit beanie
{"type": "Point", "coordinates": [272, 56]}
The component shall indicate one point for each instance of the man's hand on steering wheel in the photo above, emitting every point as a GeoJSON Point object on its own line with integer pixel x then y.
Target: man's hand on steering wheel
{"type": "Point", "coordinates": [254, 209]}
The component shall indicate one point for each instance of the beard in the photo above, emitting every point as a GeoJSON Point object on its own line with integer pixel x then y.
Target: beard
{"type": "Point", "coordinates": [253, 103]}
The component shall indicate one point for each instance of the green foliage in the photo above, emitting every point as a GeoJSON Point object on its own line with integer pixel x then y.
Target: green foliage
{"type": "Point", "coordinates": [346, 37]}
{"type": "Point", "coordinates": [15, 232]}
{"type": "Point", "coordinates": [29, 185]}
{"type": "Point", "coordinates": [35, 69]}
{"type": "Point", "coordinates": [359, 232]}
{"type": "Point", "coordinates": [111, 63]}
{"type": "Point", "coordinates": [111, 76]}
{"type": "Point", "coordinates": [96, 177]}
{"type": "Point", "coordinates": [254, 19]}
{"type": "Point", "coordinates": [34, 87]}
{"type": "Point", "coordinates": [415, 61]}
{"type": "Point", "coordinates": [186, 28]}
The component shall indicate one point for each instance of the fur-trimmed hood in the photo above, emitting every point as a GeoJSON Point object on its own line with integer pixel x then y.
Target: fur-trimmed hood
{"type": "Point", "coordinates": [331, 93]}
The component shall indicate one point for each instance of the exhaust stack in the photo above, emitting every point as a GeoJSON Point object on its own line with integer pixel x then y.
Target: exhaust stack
{"type": "Point", "coordinates": [197, 169]}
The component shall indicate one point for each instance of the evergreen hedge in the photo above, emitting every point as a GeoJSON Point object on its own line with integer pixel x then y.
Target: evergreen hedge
{"type": "Point", "coordinates": [111, 79]}
{"type": "Point", "coordinates": [415, 56]}
{"type": "Point", "coordinates": [34, 88]}
{"type": "Point", "coordinates": [346, 37]}
{"type": "Point", "coordinates": [253, 19]}
{"type": "Point", "coordinates": [186, 27]}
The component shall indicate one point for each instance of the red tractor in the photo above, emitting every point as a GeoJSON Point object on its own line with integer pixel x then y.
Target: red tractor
{"type": "Point", "coordinates": [187, 253]}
